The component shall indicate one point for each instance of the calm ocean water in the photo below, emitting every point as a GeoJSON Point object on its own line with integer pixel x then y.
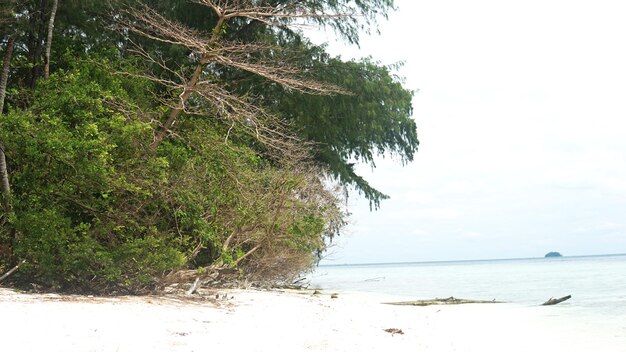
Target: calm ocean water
{"type": "Point", "coordinates": [597, 283]}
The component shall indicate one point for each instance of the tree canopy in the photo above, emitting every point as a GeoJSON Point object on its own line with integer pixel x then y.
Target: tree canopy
{"type": "Point", "coordinates": [181, 137]}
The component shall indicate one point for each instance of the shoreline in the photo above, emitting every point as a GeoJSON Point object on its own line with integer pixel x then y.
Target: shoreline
{"type": "Point", "coordinates": [280, 320]}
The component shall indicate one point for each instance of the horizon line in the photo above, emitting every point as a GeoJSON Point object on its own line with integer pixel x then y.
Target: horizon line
{"type": "Point", "coordinates": [474, 260]}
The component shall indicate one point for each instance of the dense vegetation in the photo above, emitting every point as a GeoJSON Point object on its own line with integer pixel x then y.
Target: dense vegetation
{"type": "Point", "coordinates": [144, 139]}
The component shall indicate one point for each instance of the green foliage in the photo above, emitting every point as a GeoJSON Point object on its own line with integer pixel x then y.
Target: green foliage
{"type": "Point", "coordinates": [373, 119]}
{"type": "Point", "coordinates": [94, 208]}
{"type": "Point", "coordinates": [76, 184]}
{"type": "Point", "coordinates": [57, 253]}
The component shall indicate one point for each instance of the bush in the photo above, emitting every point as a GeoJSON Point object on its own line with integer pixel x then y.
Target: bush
{"type": "Point", "coordinates": [78, 182]}
{"type": "Point", "coordinates": [94, 210]}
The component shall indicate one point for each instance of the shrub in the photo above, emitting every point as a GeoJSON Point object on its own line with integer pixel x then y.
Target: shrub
{"type": "Point", "coordinates": [93, 209]}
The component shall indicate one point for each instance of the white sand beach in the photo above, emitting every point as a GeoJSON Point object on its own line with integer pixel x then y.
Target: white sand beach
{"type": "Point", "coordinates": [250, 320]}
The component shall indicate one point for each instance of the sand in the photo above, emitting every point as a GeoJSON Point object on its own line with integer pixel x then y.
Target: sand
{"type": "Point", "coordinates": [250, 320]}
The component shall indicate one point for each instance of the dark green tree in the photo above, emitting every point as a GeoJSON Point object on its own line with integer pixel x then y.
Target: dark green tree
{"type": "Point", "coordinates": [373, 118]}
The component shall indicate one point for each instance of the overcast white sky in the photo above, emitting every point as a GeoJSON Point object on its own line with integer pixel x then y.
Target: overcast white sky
{"type": "Point", "coordinates": [521, 117]}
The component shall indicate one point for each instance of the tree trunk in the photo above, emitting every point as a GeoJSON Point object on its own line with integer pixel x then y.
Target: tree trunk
{"type": "Point", "coordinates": [5, 187]}
{"type": "Point", "coordinates": [175, 112]}
{"type": "Point", "coordinates": [6, 63]}
{"type": "Point", "coordinates": [46, 70]}
{"type": "Point", "coordinates": [187, 90]}
{"type": "Point", "coordinates": [36, 42]}
{"type": "Point", "coordinates": [4, 78]}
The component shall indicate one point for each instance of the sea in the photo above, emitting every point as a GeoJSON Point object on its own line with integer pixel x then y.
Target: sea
{"type": "Point", "coordinates": [597, 284]}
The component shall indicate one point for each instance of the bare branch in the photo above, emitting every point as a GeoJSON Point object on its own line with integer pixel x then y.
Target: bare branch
{"type": "Point", "coordinates": [212, 55]}
{"type": "Point", "coordinates": [146, 22]}
{"type": "Point", "coordinates": [268, 13]}
{"type": "Point", "coordinates": [272, 64]}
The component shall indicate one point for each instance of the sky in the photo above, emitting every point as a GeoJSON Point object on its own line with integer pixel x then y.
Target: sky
{"type": "Point", "coordinates": [521, 115]}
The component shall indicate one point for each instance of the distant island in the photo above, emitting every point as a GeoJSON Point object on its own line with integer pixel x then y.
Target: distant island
{"type": "Point", "coordinates": [553, 254]}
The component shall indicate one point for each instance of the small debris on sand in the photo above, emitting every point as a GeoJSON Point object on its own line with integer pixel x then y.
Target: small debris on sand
{"type": "Point", "coordinates": [393, 331]}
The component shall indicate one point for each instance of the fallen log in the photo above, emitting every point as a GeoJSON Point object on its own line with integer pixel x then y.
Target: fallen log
{"type": "Point", "coordinates": [440, 301]}
{"type": "Point", "coordinates": [552, 301]}
{"type": "Point", "coordinates": [11, 271]}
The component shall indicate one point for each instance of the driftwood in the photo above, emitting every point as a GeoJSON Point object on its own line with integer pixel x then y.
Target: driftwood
{"type": "Point", "coordinates": [552, 301]}
{"type": "Point", "coordinates": [194, 287]}
{"type": "Point", "coordinates": [440, 301]}
{"type": "Point", "coordinates": [11, 271]}
{"type": "Point", "coordinates": [393, 331]}
{"type": "Point", "coordinates": [299, 281]}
